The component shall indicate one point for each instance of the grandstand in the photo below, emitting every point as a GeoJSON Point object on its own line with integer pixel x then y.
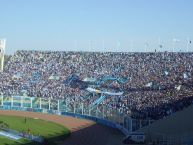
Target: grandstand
{"type": "Point", "coordinates": [148, 86]}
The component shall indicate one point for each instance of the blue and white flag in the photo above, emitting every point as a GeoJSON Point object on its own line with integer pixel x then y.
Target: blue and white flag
{"type": "Point", "coordinates": [149, 84]}
{"type": "Point", "coordinates": [185, 76]}
{"type": "Point", "coordinates": [166, 73]}
{"type": "Point", "coordinates": [178, 87]}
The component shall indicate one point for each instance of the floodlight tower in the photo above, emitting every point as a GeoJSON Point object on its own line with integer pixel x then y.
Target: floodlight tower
{"type": "Point", "coordinates": [2, 53]}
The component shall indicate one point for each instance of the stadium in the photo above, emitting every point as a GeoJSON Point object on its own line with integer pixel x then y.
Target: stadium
{"type": "Point", "coordinates": [96, 72]}
{"type": "Point", "coordinates": [98, 98]}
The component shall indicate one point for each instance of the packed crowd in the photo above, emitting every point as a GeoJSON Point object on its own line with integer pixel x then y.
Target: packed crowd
{"type": "Point", "coordinates": [159, 81]}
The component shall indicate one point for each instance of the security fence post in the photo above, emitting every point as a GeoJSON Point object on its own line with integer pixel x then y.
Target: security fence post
{"type": "Point", "coordinates": [82, 108]}
{"type": "Point", "coordinates": [74, 107]}
{"type": "Point", "coordinates": [89, 112]}
{"type": "Point", "coordinates": [103, 111]}
{"type": "Point", "coordinates": [40, 103]}
{"type": "Point", "coordinates": [58, 105]}
{"type": "Point", "coordinates": [21, 101]}
{"type": "Point", "coordinates": [66, 106]}
{"type": "Point", "coordinates": [11, 101]}
{"type": "Point", "coordinates": [49, 104]}
{"type": "Point", "coordinates": [2, 100]}
{"type": "Point", "coordinates": [31, 102]}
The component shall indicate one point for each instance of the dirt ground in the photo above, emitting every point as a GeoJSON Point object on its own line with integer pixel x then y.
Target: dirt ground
{"type": "Point", "coordinates": [84, 132]}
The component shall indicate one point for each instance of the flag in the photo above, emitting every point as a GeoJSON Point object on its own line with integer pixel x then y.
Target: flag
{"type": "Point", "coordinates": [185, 76]}
{"type": "Point", "coordinates": [54, 77]}
{"type": "Point", "coordinates": [178, 87]}
{"type": "Point", "coordinates": [149, 84]}
{"type": "Point", "coordinates": [17, 76]}
{"type": "Point", "coordinates": [89, 80]}
{"type": "Point", "coordinates": [166, 73]}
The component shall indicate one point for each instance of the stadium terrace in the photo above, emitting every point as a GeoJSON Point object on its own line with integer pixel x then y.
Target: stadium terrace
{"type": "Point", "coordinates": [153, 82]}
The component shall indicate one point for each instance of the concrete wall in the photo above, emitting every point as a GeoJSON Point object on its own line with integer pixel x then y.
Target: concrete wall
{"type": "Point", "coordinates": [175, 127]}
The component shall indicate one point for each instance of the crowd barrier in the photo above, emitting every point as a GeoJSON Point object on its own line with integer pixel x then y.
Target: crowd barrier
{"type": "Point", "coordinates": [103, 115]}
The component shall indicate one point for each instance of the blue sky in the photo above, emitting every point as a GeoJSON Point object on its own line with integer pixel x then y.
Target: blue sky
{"type": "Point", "coordinates": [96, 25]}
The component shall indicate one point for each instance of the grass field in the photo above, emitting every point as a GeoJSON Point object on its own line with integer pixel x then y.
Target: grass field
{"type": "Point", "coordinates": [54, 133]}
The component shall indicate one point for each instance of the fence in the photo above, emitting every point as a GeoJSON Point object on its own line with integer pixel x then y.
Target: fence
{"type": "Point", "coordinates": [102, 114]}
